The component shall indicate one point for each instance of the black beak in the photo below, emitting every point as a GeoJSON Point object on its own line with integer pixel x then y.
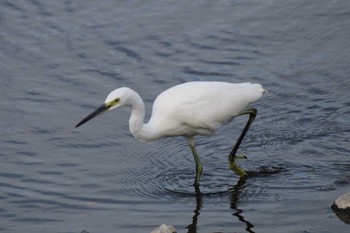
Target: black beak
{"type": "Point", "coordinates": [103, 108]}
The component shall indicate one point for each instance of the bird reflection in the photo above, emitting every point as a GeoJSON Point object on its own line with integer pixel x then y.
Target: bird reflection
{"type": "Point", "coordinates": [192, 228]}
{"type": "Point", "coordinates": [235, 194]}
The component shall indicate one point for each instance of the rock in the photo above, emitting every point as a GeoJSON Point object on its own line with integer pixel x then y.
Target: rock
{"type": "Point", "coordinates": [342, 202]}
{"type": "Point", "coordinates": [164, 229]}
{"type": "Point", "coordinates": [341, 207]}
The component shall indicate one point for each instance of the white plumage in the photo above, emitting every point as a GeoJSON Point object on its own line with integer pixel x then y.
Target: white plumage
{"type": "Point", "coordinates": [200, 107]}
{"type": "Point", "coordinates": [188, 109]}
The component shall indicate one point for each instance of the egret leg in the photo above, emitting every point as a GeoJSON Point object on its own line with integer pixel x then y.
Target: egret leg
{"type": "Point", "coordinates": [199, 166]}
{"type": "Point", "coordinates": [233, 166]}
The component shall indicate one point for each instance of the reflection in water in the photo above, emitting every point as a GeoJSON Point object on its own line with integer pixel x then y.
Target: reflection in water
{"type": "Point", "coordinates": [192, 228]}
{"type": "Point", "coordinates": [235, 194]}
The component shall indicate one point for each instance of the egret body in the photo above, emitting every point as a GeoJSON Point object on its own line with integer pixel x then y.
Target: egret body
{"type": "Point", "coordinates": [188, 109]}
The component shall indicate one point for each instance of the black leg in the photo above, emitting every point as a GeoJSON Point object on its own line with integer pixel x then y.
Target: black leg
{"type": "Point", "coordinates": [233, 166]}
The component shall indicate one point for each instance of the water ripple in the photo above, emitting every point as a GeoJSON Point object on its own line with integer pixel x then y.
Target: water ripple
{"type": "Point", "coordinates": [99, 178]}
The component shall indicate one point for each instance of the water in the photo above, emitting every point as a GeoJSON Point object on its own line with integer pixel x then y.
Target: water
{"type": "Point", "coordinates": [59, 59]}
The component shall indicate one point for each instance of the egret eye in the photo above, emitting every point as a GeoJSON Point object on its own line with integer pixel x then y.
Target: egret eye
{"type": "Point", "coordinates": [116, 100]}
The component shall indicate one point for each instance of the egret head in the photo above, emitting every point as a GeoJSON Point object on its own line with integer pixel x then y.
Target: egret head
{"type": "Point", "coordinates": [115, 99]}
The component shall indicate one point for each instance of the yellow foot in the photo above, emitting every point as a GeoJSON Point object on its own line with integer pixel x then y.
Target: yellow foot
{"type": "Point", "coordinates": [241, 156]}
{"type": "Point", "coordinates": [236, 169]}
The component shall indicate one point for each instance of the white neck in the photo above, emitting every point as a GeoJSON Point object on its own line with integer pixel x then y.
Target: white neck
{"type": "Point", "coordinates": [136, 122]}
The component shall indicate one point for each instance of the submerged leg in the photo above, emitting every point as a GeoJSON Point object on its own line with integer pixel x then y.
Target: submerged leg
{"type": "Point", "coordinates": [233, 166]}
{"type": "Point", "coordinates": [199, 166]}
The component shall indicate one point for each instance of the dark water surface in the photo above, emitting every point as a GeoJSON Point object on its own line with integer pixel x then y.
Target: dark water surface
{"type": "Point", "coordinates": [59, 59]}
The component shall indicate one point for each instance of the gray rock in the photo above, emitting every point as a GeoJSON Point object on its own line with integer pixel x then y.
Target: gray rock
{"type": "Point", "coordinates": [341, 207]}
{"type": "Point", "coordinates": [343, 202]}
{"type": "Point", "coordinates": [164, 229]}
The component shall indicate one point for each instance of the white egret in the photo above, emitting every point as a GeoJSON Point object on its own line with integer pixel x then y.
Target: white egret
{"type": "Point", "coordinates": [188, 109]}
